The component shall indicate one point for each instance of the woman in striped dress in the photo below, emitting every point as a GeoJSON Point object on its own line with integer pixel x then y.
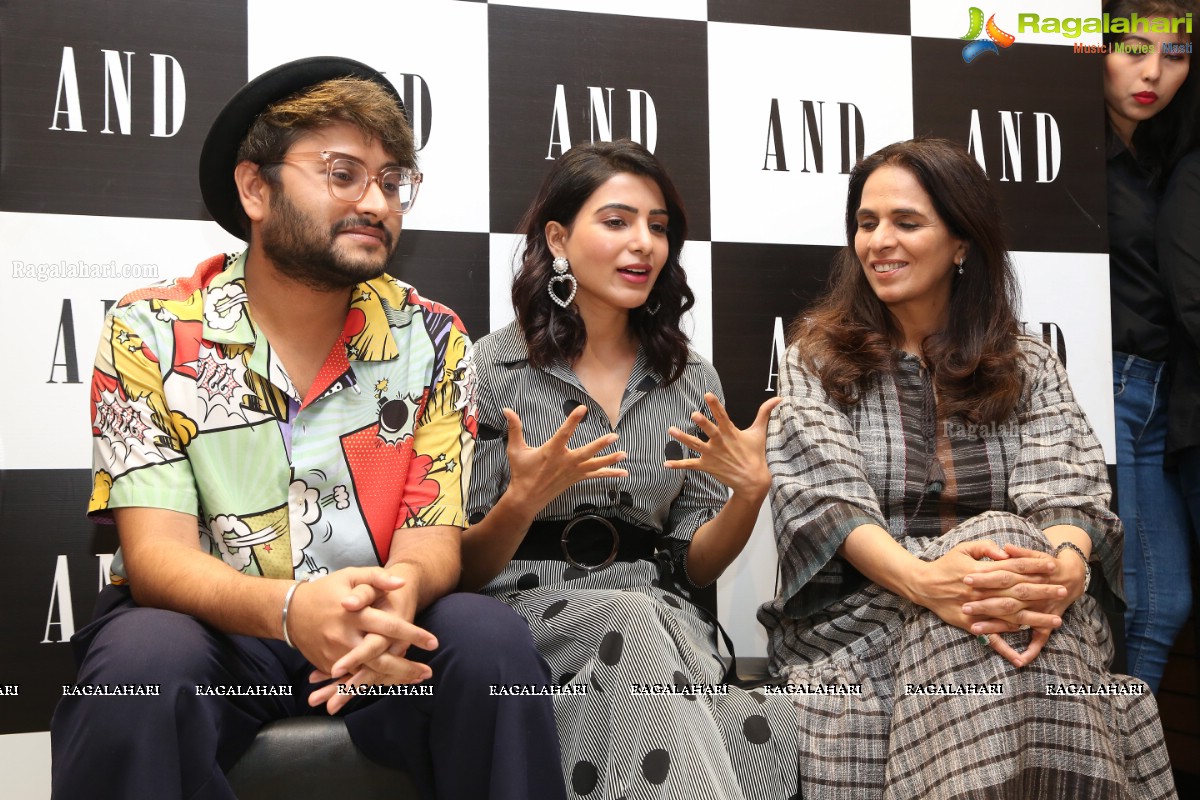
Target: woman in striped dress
{"type": "Point", "coordinates": [589, 516]}
{"type": "Point", "coordinates": [940, 505]}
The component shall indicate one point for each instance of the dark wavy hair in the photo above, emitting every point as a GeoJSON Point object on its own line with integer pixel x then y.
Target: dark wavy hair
{"type": "Point", "coordinates": [554, 333]}
{"type": "Point", "coordinates": [1162, 140]}
{"type": "Point", "coordinates": [849, 334]}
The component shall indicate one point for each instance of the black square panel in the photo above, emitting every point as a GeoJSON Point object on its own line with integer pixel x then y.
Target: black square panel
{"type": "Point", "coordinates": [51, 588]}
{"type": "Point", "coordinates": [449, 268]}
{"type": "Point", "coordinates": [757, 288]}
{"type": "Point", "coordinates": [1032, 109]}
{"type": "Point", "coordinates": [594, 77]}
{"type": "Point", "coordinates": [104, 113]}
{"type": "Point", "coordinates": [862, 16]}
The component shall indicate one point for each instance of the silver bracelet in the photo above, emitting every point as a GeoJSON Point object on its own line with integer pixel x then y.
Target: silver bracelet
{"type": "Point", "coordinates": [287, 603]}
{"type": "Point", "coordinates": [1087, 568]}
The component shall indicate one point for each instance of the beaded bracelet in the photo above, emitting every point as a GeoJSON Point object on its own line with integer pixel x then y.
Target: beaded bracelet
{"type": "Point", "coordinates": [1087, 568]}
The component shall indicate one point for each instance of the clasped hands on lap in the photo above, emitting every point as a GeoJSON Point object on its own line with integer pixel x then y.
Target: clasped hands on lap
{"type": "Point", "coordinates": [352, 625]}
{"type": "Point", "coordinates": [977, 586]}
{"type": "Point", "coordinates": [1017, 587]}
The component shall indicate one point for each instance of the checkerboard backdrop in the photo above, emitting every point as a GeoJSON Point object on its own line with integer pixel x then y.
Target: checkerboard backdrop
{"type": "Point", "coordinates": [758, 108]}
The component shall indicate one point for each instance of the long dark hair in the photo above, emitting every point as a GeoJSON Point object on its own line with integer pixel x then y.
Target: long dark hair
{"type": "Point", "coordinates": [552, 332]}
{"type": "Point", "coordinates": [849, 334]}
{"type": "Point", "coordinates": [1162, 140]}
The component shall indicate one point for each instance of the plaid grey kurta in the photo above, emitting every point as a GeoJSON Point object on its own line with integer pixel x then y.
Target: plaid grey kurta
{"type": "Point", "coordinates": [914, 731]}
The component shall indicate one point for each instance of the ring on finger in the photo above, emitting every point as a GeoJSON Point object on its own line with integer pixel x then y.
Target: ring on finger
{"type": "Point", "coordinates": [984, 639]}
{"type": "Point", "coordinates": [1023, 628]}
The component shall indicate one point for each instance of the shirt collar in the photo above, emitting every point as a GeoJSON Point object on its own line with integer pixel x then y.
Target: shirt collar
{"type": "Point", "coordinates": [374, 305]}
{"type": "Point", "coordinates": [513, 353]}
{"type": "Point", "coordinates": [226, 309]}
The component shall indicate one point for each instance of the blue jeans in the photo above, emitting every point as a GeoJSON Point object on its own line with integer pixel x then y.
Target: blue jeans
{"type": "Point", "coordinates": [1150, 504]}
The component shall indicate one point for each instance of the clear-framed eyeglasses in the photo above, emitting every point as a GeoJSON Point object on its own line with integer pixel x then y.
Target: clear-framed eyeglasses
{"type": "Point", "coordinates": [348, 179]}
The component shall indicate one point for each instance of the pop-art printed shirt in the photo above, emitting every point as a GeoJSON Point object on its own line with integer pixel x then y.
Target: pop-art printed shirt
{"type": "Point", "coordinates": [192, 411]}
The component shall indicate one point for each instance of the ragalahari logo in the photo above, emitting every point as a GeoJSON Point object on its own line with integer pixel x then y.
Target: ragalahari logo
{"type": "Point", "coordinates": [996, 37]}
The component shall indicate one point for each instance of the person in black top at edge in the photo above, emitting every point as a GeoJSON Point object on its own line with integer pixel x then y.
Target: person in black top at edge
{"type": "Point", "coordinates": [1179, 265]}
{"type": "Point", "coordinates": [1147, 86]}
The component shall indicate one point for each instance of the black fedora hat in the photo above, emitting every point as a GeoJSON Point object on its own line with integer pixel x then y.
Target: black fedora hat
{"type": "Point", "coordinates": [218, 157]}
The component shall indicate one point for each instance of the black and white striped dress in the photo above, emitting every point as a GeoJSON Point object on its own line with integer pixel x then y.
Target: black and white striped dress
{"type": "Point", "coordinates": [619, 627]}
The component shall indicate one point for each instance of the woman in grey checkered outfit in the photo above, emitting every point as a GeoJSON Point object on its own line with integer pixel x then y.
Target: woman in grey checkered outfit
{"type": "Point", "coordinates": [940, 504]}
{"type": "Point", "coordinates": [586, 407]}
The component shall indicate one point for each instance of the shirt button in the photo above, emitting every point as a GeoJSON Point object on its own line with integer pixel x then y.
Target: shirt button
{"type": "Point", "coordinates": [613, 496]}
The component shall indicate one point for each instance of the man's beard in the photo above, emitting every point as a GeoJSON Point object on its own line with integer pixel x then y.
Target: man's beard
{"type": "Point", "coordinates": [296, 245]}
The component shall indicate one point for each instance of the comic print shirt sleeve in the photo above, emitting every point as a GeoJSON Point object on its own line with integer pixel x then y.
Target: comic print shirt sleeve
{"type": "Point", "coordinates": [439, 473]}
{"type": "Point", "coordinates": [138, 444]}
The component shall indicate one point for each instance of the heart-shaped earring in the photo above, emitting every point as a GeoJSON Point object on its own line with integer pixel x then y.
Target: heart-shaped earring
{"type": "Point", "coordinates": [560, 266]}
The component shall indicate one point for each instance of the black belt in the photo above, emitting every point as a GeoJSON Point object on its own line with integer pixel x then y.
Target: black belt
{"type": "Point", "coordinates": [592, 542]}
{"type": "Point", "coordinates": [588, 541]}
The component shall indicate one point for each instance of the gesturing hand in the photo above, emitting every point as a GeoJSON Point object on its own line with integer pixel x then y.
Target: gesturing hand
{"type": "Point", "coordinates": [737, 458]}
{"type": "Point", "coordinates": [540, 474]}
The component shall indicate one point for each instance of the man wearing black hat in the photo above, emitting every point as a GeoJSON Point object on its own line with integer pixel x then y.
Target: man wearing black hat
{"type": "Point", "coordinates": [313, 419]}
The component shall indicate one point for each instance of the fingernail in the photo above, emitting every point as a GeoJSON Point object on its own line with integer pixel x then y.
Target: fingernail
{"type": "Point", "coordinates": [966, 609]}
{"type": "Point", "coordinates": [968, 579]}
{"type": "Point", "coordinates": [976, 629]}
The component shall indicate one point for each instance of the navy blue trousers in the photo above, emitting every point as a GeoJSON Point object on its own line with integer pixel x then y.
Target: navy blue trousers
{"type": "Point", "coordinates": [179, 744]}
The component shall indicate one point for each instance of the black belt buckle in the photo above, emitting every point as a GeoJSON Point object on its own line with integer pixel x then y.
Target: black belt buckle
{"type": "Point", "coordinates": [566, 536]}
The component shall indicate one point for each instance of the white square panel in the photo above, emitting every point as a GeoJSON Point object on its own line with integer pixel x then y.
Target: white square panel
{"type": "Point", "coordinates": [444, 45]}
{"type": "Point", "coordinates": [506, 250]}
{"type": "Point", "coordinates": [748, 583]}
{"type": "Point", "coordinates": [698, 323]}
{"type": "Point", "coordinates": [136, 253]}
{"type": "Point", "coordinates": [841, 76]}
{"type": "Point", "coordinates": [1070, 290]}
{"type": "Point", "coordinates": [25, 760]}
